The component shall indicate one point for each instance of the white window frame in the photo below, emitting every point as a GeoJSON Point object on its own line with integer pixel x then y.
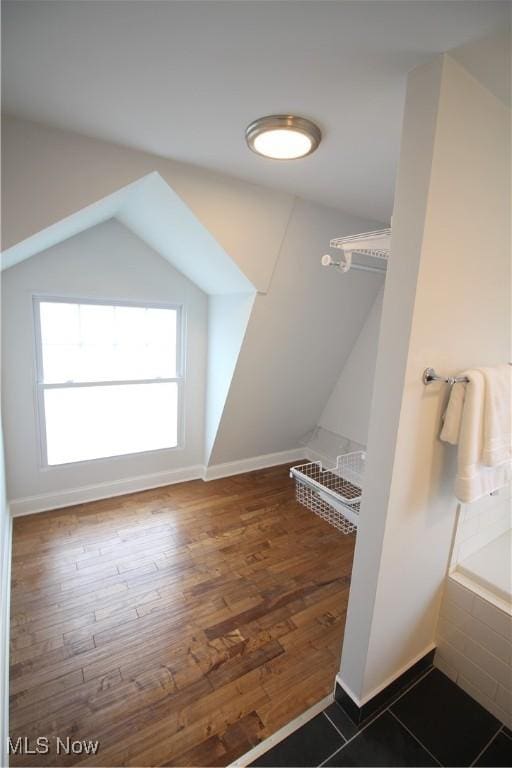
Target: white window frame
{"type": "Point", "coordinates": [40, 386]}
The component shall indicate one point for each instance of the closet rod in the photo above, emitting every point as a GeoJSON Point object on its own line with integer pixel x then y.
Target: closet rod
{"type": "Point", "coordinates": [363, 268]}
{"type": "Point", "coordinates": [328, 261]}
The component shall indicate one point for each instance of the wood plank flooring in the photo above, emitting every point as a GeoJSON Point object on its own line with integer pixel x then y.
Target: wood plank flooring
{"type": "Point", "coordinates": [179, 626]}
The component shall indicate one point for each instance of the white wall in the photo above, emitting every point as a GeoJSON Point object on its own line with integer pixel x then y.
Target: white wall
{"type": "Point", "coordinates": [347, 411]}
{"type": "Point", "coordinates": [299, 336]}
{"type": "Point", "coordinates": [5, 584]}
{"type": "Point", "coordinates": [227, 323]}
{"type": "Point", "coordinates": [106, 262]}
{"type": "Point", "coordinates": [447, 304]}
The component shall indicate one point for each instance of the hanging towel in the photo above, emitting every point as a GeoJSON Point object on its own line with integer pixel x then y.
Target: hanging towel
{"type": "Point", "coordinates": [453, 415]}
{"type": "Point", "coordinates": [479, 429]}
{"type": "Point", "coordinates": [497, 432]}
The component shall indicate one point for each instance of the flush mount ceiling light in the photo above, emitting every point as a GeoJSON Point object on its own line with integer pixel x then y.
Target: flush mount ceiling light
{"type": "Point", "coordinates": [283, 137]}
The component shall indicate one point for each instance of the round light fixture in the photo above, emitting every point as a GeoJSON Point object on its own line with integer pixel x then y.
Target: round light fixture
{"type": "Point", "coordinates": [283, 137]}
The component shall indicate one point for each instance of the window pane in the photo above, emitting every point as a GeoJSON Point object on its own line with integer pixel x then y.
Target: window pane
{"type": "Point", "coordinates": [61, 362]}
{"type": "Point", "coordinates": [60, 323]}
{"type": "Point", "coordinates": [161, 326]}
{"type": "Point", "coordinates": [96, 363]}
{"type": "Point", "coordinates": [131, 325]}
{"type": "Point", "coordinates": [94, 342]}
{"type": "Point", "coordinates": [95, 422]}
{"type": "Point", "coordinates": [97, 325]}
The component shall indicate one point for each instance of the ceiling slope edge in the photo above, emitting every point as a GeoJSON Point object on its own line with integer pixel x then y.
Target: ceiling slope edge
{"type": "Point", "coordinates": [49, 174]}
{"type": "Point", "coordinates": [152, 210]}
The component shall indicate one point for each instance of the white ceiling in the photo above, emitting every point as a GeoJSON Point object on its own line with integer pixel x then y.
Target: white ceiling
{"type": "Point", "coordinates": [183, 79]}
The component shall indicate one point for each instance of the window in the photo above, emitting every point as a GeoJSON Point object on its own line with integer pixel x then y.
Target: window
{"type": "Point", "coordinates": [109, 378]}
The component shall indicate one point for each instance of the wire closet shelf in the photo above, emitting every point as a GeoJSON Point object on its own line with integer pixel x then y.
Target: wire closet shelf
{"type": "Point", "coordinates": [333, 494]}
{"type": "Point", "coordinates": [375, 244]}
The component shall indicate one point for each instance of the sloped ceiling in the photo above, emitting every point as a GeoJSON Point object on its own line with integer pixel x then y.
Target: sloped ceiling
{"type": "Point", "coordinates": [155, 213]}
{"type": "Point", "coordinates": [49, 175]}
{"type": "Point", "coordinates": [298, 339]}
{"type": "Point", "coordinates": [304, 319]}
{"type": "Point", "coordinates": [343, 414]}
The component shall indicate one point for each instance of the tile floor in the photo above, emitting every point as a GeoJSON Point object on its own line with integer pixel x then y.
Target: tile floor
{"type": "Point", "coordinates": [433, 723]}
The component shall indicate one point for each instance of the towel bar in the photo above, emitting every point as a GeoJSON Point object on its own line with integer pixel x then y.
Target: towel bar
{"type": "Point", "coordinates": [429, 375]}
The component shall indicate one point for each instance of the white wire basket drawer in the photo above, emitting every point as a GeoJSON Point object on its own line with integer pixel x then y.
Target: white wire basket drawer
{"type": "Point", "coordinates": [333, 494]}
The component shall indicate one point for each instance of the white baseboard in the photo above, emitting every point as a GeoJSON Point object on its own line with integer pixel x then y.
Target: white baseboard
{"type": "Point", "coordinates": [67, 498]}
{"type": "Point", "coordinates": [348, 691]}
{"type": "Point", "coordinates": [46, 501]}
{"type": "Point", "coordinates": [216, 471]}
{"type": "Point", "coordinates": [360, 702]}
{"type": "Point", "coordinates": [5, 594]}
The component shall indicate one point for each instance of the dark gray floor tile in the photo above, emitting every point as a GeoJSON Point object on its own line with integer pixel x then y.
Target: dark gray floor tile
{"type": "Point", "coordinates": [308, 746]}
{"type": "Point", "coordinates": [498, 753]}
{"type": "Point", "coordinates": [451, 725]}
{"type": "Point", "coordinates": [383, 743]}
{"type": "Point", "coordinates": [341, 720]}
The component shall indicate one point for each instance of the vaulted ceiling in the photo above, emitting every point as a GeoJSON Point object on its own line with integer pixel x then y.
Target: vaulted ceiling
{"type": "Point", "coordinates": [268, 377]}
{"type": "Point", "coordinates": [183, 79]}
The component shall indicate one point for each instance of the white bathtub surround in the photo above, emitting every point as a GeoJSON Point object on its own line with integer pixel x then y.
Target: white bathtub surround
{"type": "Point", "coordinates": [474, 648]}
{"type": "Point", "coordinates": [477, 420]}
{"type": "Point", "coordinates": [480, 523]}
{"type": "Point", "coordinates": [491, 567]}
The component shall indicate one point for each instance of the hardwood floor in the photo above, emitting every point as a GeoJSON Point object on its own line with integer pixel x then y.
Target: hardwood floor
{"type": "Point", "coordinates": [179, 626]}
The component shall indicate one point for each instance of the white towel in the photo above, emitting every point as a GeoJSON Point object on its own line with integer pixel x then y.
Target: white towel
{"type": "Point", "coordinates": [479, 428]}
{"type": "Point", "coordinates": [497, 447]}
{"type": "Point", "coordinates": [453, 415]}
